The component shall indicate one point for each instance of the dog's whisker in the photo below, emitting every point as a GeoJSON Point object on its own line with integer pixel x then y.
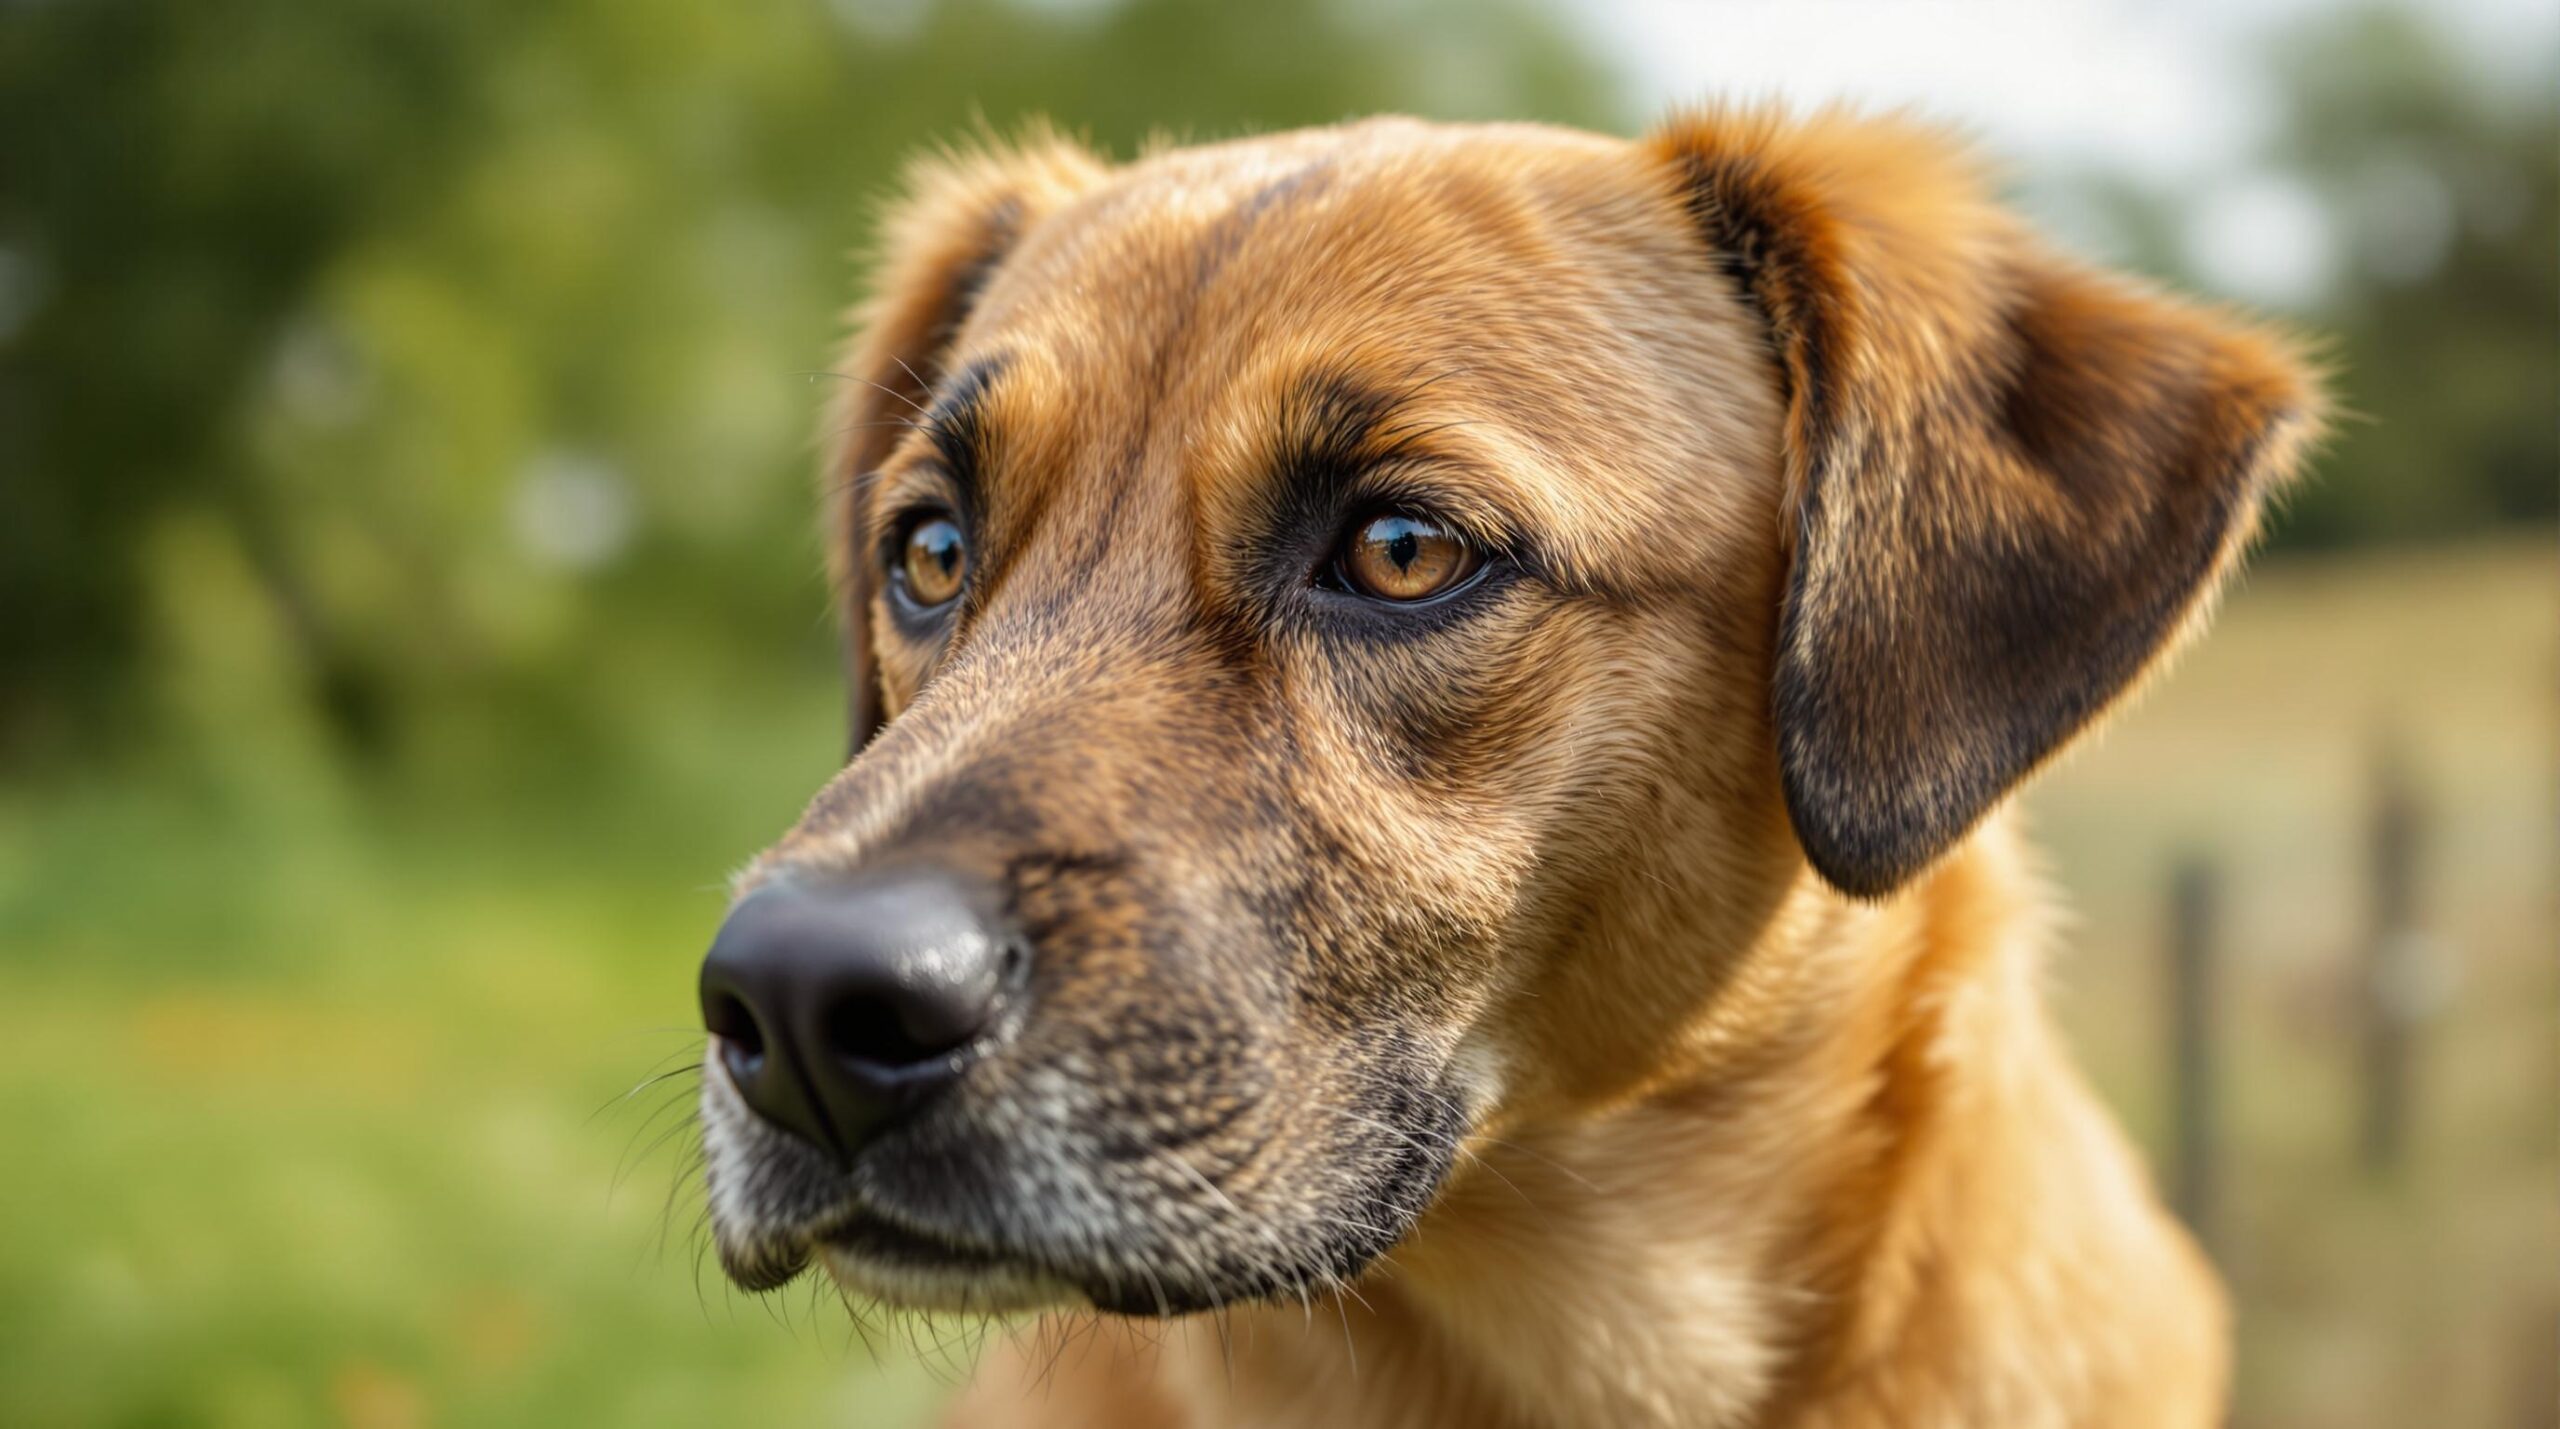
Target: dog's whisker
{"type": "Point", "coordinates": [644, 1084]}
{"type": "Point", "coordinates": [920, 409]}
{"type": "Point", "coordinates": [629, 1162]}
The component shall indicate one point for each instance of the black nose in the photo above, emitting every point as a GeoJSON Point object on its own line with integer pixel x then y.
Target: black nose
{"type": "Point", "coordinates": [838, 1003]}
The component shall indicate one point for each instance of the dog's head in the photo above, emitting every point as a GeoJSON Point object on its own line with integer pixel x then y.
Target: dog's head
{"type": "Point", "coordinates": [1354, 635]}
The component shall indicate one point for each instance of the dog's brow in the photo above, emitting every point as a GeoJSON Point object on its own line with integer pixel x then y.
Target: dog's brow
{"type": "Point", "coordinates": [956, 422]}
{"type": "Point", "coordinates": [1331, 423]}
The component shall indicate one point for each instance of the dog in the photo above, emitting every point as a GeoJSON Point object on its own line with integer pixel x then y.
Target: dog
{"type": "Point", "coordinates": [1434, 712]}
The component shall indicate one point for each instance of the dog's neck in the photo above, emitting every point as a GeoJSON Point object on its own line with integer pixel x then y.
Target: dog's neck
{"type": "Point", "coordinates": [1877, 1214]}
{"type": "Point", "coordinates": [1891, 1183]}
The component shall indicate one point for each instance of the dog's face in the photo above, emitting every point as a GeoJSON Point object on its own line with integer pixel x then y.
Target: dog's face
{"type": "Point", "coordinates": [1365, 628]}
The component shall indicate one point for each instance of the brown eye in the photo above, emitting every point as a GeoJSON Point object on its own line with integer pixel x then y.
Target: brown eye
{"type": "Point", "coordinates": [933, 562]}
{"type": "Point", "coordinates": [1405, 557]}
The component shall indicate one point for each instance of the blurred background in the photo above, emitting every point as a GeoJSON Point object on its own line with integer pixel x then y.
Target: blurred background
{"type": "Point", "coordinates": [410, 609]}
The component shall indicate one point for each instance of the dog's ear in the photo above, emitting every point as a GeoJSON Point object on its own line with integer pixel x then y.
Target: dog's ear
{"type": "Point", "coordinates": [2012, 483]}
{"type": "Point", "coordinates": [957, 217]}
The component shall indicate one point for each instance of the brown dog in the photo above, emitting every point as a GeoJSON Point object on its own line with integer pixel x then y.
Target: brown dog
{"type": "Point", "coordinates": [1442, 697]}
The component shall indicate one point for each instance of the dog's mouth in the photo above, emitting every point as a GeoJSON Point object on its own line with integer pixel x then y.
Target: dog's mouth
{"type": "Point", "coordinates": [872, 1255]}
{"type": "Point", "coordinates": [909, 1263]}
{"type": "Point", "coordinates": [878, 1239]}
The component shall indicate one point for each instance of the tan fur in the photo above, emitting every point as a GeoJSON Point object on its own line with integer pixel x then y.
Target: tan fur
{"type": "Point", "coordinates": [1474, 1011]}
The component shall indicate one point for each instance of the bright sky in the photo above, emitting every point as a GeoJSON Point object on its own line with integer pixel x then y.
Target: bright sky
{"type": "Point", "coordinates": [2165, 88]}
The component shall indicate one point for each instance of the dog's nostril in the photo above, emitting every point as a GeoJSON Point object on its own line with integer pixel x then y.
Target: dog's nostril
{"type": "Point", "coordinates": [741, 1040]}
{"type": "Point", "coordinates": [892, 1031]}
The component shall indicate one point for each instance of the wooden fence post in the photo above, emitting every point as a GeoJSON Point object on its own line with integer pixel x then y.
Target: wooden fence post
{"type": "Point", "coordinates": [2194, 998]}
{"type": "Point", "coordinates": [2397, 977]}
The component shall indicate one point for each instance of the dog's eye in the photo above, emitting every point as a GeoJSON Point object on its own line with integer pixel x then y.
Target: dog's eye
{"type": "Point", "coordinates": [933, 561]}
{"type": "Point", "coordinates": [1405, 556]}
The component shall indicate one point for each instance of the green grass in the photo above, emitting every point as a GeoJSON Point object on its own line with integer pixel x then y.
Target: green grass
{"type": "Point", "coordinates": [300, 1070]}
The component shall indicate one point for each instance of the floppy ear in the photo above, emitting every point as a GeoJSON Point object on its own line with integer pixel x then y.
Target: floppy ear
{"type": "Point", "coordinates": [2012, 482]}
{"type": "Point", "coordinates": [958, 217]}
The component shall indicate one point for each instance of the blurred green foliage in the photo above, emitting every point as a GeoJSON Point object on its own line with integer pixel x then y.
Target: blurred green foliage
{"type": "Point", "coordinates": [2448, 323]}
{"type": "Point", "coordinates": [477, 333]}
{"type": "Point", "coordinates": [2438, 308]}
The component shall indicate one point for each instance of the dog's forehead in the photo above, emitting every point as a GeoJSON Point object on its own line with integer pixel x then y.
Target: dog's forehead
{"type": "Point", "coordinates": [1309, 221]}
{"type": "Point", "coordinates": [1508, 284]}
